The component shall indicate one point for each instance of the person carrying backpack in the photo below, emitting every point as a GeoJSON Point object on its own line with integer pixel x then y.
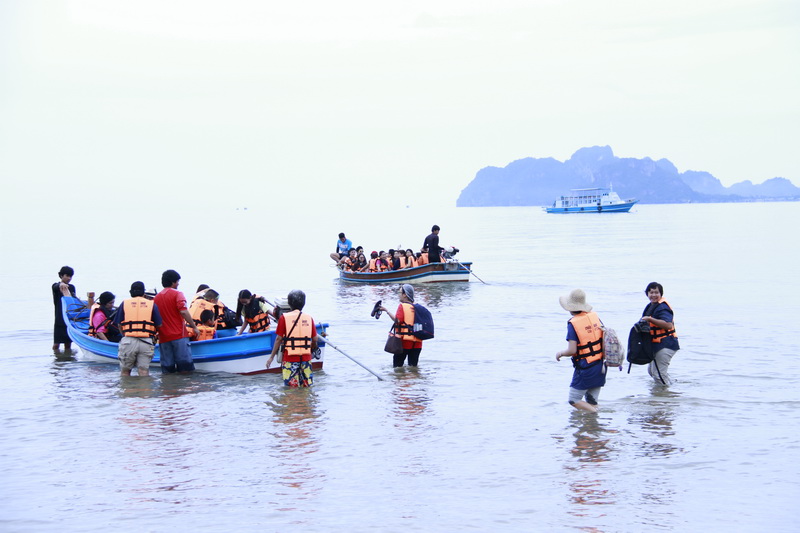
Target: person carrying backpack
{"type": "Point", "coordinates": [403, 320]}
{"type": "Point", "coordinates": [659, 315]}
{"type": "Point", "coordinates": [585, 347]}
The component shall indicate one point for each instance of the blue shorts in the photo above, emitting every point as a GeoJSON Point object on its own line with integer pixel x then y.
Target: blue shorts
{"type": "Point", "coordinates": [176, 356]}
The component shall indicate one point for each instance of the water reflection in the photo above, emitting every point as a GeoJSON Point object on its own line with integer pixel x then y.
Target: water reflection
{"type": "Point", "coordinates": [296, 421]}
{"type": "Point", "coordinates": [656, 417]}
{"type": "Point", "coordinates": [428, 294]}
{"type": "Point", "coordinates": [587, 484]}
{"type": "Point", "coordinates": [410, 400]}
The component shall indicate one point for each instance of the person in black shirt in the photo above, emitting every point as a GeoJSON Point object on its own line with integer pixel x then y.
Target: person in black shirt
{"type": "Point", "coordinates": [432, 245]}
{"type": "Point", "coordinates": [62, 288]}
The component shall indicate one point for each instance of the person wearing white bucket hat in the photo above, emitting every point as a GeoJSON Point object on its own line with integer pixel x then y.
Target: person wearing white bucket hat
{"type": "Point", "coordinates": [585, 347]}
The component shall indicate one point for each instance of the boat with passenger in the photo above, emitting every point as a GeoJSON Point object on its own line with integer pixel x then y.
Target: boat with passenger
{"type": "Point", "coordinates": [235, 354]}
{"type": "Point", "coordinates": [449, 269]}
{"type": "Point", "coordinates": [592, 200]}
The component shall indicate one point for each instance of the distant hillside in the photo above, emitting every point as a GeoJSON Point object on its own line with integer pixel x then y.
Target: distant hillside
{"type": "Point", "coordinates": [533, 181]}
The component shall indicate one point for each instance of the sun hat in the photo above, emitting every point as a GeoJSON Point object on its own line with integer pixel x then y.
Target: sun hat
{"type": "Point", "coordinates": [576, 301]}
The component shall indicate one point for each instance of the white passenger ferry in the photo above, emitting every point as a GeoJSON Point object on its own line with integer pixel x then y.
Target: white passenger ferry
{"type": "Point", "coordinates": [596, 200]}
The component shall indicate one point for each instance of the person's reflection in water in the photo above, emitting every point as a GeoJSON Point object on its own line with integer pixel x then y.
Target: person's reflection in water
{"type": "Point", "coordinates": [295, 421]}
{"type": "Point", "coordinates": [587, 484]}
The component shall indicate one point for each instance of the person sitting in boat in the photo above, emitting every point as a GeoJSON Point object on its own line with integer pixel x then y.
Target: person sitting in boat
{"type": "Point", "coordinates": [201, 290]}
{"type": "Point", "coordinates": [207, 326]}
{"type": "Point", "coordinates": [255, 310]}
{"type": "Point", "coordinates": [423, 257]}
{"type": "Point", "coordinates": [297, 335]}
{"type": "Point", "coordinates": [343, 246]}
{"type": "Point", "coordinates": [101, 319]}
{"type": "Point", "coordinates": [373, 262]}
{"type": "Point", "coordinates": [411, 261]}
{"type": "Point", "coordinates": [348, 261]}
{"type": "Point", "coordinates": [361, 264]}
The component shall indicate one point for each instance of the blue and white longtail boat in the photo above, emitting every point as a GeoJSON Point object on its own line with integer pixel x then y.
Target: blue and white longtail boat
{"type": "Point", "coordinates": [235, 354]}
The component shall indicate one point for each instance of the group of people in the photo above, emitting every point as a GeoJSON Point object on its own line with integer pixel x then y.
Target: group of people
{"type": "Point", "coordinates": [166, 318]}
{"type": "Point", "coordinates": [585, 334]}
{"type": "Point", "coordinates": [353, 258]}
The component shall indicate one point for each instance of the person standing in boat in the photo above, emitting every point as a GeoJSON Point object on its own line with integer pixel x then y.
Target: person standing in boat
{"type": "Point", "coordinates": [432, 245]}
{"type": "Point", "coordinates": [585, 348]}
{"type": "Point", "coordinates": [61, 288]}
{"type": "Point", "coordinates": [659, 315]}
{"type": "Point", "coordinates": [403, 319]}
{"type": "Point", "coordinates": [176, 353]}
{"type": "Point", "coordinates": [296, 335]}
{"type": "Point", "coordinates": [138, 319]}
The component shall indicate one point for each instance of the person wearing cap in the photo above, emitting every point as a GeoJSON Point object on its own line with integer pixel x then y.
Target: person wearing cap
{"type": "Point", "coordinates": [343, 246]}
{"type": "Point", "coordinates": [585, 348]}
{"type": "Point", "coordinates": [137, 319]}
{"type": "Point", "coordinates": [176, 353]}
{"type": "Point", "coordinates": [660, 316]}
{"type": "Point", "coordinates": [403, 320]}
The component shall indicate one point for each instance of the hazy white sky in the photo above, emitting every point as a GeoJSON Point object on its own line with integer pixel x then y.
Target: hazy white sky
{"type": "Point", "coordinates": [257, 102]}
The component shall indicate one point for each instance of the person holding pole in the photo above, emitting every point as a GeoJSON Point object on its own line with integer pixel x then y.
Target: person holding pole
{"type": "Point", "coordinates": [296, 335]}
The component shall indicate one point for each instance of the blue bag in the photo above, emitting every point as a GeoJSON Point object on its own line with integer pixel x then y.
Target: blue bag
{"type": "Point", "coordinates": [423, 323]}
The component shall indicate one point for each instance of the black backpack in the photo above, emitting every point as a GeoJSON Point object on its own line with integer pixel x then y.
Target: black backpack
{"type": "Point", "coordinates": [423, 323]}
{"type": "Point", "coordinates": [640, 347]}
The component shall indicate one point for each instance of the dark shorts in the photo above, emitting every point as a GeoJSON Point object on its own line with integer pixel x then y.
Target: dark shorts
{"type": "Point", "coordinates": [176, 356]}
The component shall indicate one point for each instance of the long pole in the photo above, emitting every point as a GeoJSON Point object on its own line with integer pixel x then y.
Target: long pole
{"type": "Point", "coordinates": [471, 272]}
{"type": "Point", "coordinates": [356, 362]}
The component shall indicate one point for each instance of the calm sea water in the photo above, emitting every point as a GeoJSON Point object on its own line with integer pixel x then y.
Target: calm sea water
{"type": "Point", "coordinates": [479, 438]}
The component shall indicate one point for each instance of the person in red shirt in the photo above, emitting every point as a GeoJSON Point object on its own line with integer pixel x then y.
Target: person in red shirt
{"type": "Point", "coordinates": [297, 336]}
{"type": "Point", "coordinates": [176, 354]}
{"type": "Point", "coordinates": [403, 320]}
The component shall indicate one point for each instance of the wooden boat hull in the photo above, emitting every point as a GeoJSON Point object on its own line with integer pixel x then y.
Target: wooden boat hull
{"type": "Point", "coordinates": [432, 272]}
{"type": "Point", "coordinates": [235, 354]}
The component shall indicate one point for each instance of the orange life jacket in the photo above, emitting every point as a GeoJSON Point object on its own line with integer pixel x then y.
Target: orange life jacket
{"type": "Point", "coordinates": [198, 306]}
{"type": "Point", "coordinates": [423, 259]}
{"type": "Point", "coordinates": [405, 329]}
{"type": "Point", "coordinates": [656, 333]}
{"type": "Point", "coordinates": [206, 332]}
{"type": "Point", "coordinates": [138, 320]}
{"type": "Point", "coordinates": [411, 262]}
{"type": "Point", "coordinates": [297, 343]}
{"type": "Point", "coordinates": [590, 337]}
{"type": "Point", "coordinates": [372, 266]}
{"type": "Point", "coordinates": [402, 261]}
{"type": "Point", "coordinates": [258, 321]}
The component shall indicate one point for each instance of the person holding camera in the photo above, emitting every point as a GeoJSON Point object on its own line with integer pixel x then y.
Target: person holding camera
{"type": "Point", "coordinates": [403, 319]}
{"type": "Point", "coordinates": [659, 316]}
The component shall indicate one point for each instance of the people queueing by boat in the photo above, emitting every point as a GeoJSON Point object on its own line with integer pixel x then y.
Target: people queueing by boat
{"type": "Point", "coordinates": [432, 245]}
{"type": "Point", "coordinates": [659, 315]}
{"type": "Point", "coordinates": [296, 338]}
{"type": "Point", "coordinates": [585, 348]}
{"type": "Point", "coordinates": [403, 319]}
{"type": "Point", "coordinates": [176, 353]}
{"type": "Point", "coordinates": [62, 288]}
{"type": "Point", "coordinates": [137, 319]}
{"type": "Point", "coordinates": [101, 319]}
{"type": "Point", "coordinates": [255, 312]}
{"type": "Point", "coordinates": [342, 250]}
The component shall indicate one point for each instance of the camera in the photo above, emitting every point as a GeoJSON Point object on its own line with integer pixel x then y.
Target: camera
{"type": "Point", "coordinates": [376, 310]}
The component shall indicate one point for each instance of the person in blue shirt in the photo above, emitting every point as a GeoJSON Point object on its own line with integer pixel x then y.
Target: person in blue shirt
{"type": "Point", "coordinates": [660, 316]}
{"type": "Point", "coordinates": [585, 348]}
{"type": "Point", "coordinates": [343, 246]}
